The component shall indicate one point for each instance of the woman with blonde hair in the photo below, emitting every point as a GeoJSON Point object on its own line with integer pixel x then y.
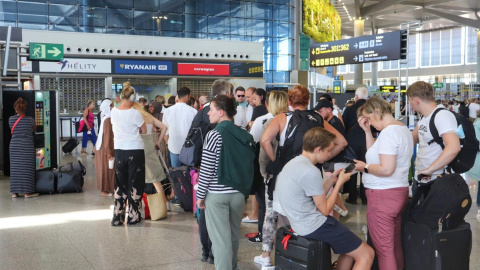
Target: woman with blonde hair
{"type": "Point", "coordinates": [127, 125]}
{"type": "Point", "coordinates": [386, 178]}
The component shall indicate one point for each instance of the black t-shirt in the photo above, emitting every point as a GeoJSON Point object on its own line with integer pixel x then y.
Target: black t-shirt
{"type": "Point", "coordinates": [259, 111]}
{"type": "Point", "coordinates": [337, 124]}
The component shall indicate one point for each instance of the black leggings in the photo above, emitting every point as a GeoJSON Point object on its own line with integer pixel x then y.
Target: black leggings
{"type": "Point", "coordinates": [129, 185]}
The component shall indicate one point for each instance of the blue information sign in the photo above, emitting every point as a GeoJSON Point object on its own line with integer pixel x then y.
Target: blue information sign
{"type": "Point", "coordinates": [143, 67]}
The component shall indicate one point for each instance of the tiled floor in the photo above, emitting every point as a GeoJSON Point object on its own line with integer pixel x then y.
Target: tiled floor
{"type": "Point", "coordinates": [72, 231]}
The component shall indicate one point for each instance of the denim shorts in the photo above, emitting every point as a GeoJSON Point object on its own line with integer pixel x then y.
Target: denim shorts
{"type": "Point", "coordinates": [337, 235]}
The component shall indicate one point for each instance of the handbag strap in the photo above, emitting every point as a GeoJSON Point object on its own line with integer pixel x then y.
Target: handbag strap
{"type": "Point", "coordinates": [16, 122]}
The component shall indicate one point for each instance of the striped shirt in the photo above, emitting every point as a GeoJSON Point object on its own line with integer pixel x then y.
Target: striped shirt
{"type": "Point", "coordinates": [208, 177]}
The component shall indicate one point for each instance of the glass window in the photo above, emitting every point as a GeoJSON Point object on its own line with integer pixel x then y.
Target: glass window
{"type": "Point", "coordinates": [282, 29]}
{"type": "Point", "coordinates": [262, 11]}
{"type": "Point", "coordinates": [93, 3]}
{"type": "Point", "coordinates": [260, 28]}
{"type": "Point", "coordinates": [9, 11]}
{"type": "Point", "coordinates": [120, 31]}
{"type": "Point", "coordinates": [65, 2]}
{"type": "Point", "coordinates": [282, 13]}
{"type": "Point", "coordinates": [286, 2]}
{"type": "Point", "coordinates": [267, 62]}
{"type": "Point", "coordinates": [33, 26]}
{"type": "Point", "coordinates": [169, 6]}
{"type": "Point", "coordinates": [412, 51]}
{"type": "Point", "coordinates": [145, 20]}
{"type": "Point", "coordinates": [385, 65]}
{"type": "Point", "coordinates": [240, 37]}
{"type": "Point", "coordinates": [435, 48]}
{"type": "Point", "coordinates": [63, 14]}
{"type": "Point", "coordinates": [342, 69]}
{"type": "Point", "coordinates": [91, 29]}
{"type": "Point", "coordinates": [471, 46]}
{"type": "Point", "coordinates": [394, 64]}
{"type": "Point", "coordinates": [267, 45]}
{"type": "Point", "coordinates": [124, 4]}
{"type": "Point", "coordinates": [238, 26]}
{"type": "Point", "coordinates": [32, 12]}
{"type": "Point", "coordinates": [457, 45]}
{"type": "Point", "coordinates": [120, 18]}
{"type": "Point", "coordinates": [281, 76]}
{"type": "Point", "coordinates": [367, 67]}
{"type": "Point", "coordinates": [268, 76]}
{"type": "Point", "coordinates": [220, 25]}
{"type": "Point", "coordinates": [219, 37]}
{"type": "Point", "coordinates": [445, 47]}
{"type": "Point", "coordinates": [68, 28]}
{"type": "Point", "coordinates": [172, 34]}
{"type": "Point", "coordinates": [195, 23]}
{"type": "Point", "coordinates": [218, 8]}
{"type": "Point", "coordinates": [147, 5]}
{"type": "Point", "coordinates": [282, 62]}
{"type": "Point", "coordinates": [282, 46]}
{"type": "Point", "coordinates": [93, 16]}
{"type": "Point", "coordinates": [174, 22]}
{"type": "Point", "coordinates": [425, 49]}
{"type": "Point", "coordinates": [241, 9]}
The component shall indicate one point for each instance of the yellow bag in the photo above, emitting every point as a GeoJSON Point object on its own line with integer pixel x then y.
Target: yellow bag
{"type": "Point", "coordinates": [158, 205]}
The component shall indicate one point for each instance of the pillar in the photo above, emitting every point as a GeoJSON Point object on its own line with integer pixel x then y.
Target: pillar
{"type": "Point", "coordinates": [478, 55]}
{"type": "Point", "coordinates": [190, 19]}
{"type": "Point", "coordinates": [358, 28]}
{"type": "Point", "coordinates": [374, 73]}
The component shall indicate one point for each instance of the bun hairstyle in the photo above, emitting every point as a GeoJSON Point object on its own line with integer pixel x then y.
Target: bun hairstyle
{"type": "Point", "coordinates": [222, 102]}
{"type": "Point", "coordinates": [20, 106]}
{"type": "Point", "coordinates": [128, 93]}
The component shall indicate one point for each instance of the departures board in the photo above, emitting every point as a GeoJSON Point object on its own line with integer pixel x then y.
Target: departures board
{"type": "Point", "coordinates": [373, 48]}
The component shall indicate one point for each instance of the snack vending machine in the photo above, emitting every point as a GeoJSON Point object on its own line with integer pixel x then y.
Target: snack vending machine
{"type": "Point", "coordinates": [42, 106]}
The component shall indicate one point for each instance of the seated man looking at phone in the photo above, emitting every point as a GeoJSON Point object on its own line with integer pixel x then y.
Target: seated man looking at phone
{"type": "Point", "coordinates": [301, 195]}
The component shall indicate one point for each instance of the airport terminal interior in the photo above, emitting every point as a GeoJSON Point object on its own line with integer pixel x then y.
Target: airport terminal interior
{"type": "Point", "coordinates": [59, 54]}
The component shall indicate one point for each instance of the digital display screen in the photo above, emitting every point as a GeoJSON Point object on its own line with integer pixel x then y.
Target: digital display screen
{"type": "Point", "coordinates": [374, 48]}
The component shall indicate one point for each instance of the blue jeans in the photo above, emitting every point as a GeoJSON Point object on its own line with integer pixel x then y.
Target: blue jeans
{"type": "Point", "coordinates": [86, 137]}
{"type": "Point", "coordinates": [174, 160]}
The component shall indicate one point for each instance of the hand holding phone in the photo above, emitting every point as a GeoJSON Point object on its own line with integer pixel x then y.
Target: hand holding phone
{"type": "Point", "coordinates": [350, 168]}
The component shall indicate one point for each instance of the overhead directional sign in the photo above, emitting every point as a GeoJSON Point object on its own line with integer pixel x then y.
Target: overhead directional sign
{"type": "Point", "coordinates": [381, 47]}
{"type": "Point", "coordinates": [46, 51]}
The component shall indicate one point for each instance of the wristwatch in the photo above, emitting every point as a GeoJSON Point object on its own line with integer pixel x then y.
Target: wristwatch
{"type": "Point", "coordinates": [365, 169]}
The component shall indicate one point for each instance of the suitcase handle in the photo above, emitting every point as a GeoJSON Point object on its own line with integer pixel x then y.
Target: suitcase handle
{"type": "Point", "coordinates": [292, 234]}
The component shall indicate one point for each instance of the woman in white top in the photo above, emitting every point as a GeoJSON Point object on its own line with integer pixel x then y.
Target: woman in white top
{"type": "Point", "coordinates": [128, 124]}
{"type": "Point", "coordinates": [385, 179]}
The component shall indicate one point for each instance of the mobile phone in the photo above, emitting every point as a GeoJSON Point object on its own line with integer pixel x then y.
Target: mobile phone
{"type": "Point", "coordinates": [349, 159]}
{"type": "Point", "coordinates": [420, 177]}
{"type": "Point", "coordinates": [350, 168]}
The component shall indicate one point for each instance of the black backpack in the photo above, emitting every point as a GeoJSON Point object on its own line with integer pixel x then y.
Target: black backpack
{"type": "Point", "coordinates": [299, 124]}
{"type": "Point", "coordinates": [465, 159]}
{"type": "Point", "coordinates": [463, 111]}
{"type": "Point", "coordinates": [446, 201]}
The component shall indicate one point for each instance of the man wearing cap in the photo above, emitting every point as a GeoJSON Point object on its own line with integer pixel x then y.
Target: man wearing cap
{"type": "Point", "coordinates": [324, 107]}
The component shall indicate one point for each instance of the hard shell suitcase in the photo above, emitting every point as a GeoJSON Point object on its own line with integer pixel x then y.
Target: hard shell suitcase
{"type": "Point", "coordinates": [70, 145]}
{"type": "Point", "coordinates": [429, 249]}
{"type": "Point", "coordinates": [45, 182]}
{"type": "Point", "coordinates": [70, 177]}
{"type": "Point", "coordinates": [181, 183]}
{"type": "Point", "coordinates": [294, 252]}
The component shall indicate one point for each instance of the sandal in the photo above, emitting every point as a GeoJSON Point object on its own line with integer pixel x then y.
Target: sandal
{"type": "Point", "coordinates": [31, 195]}
{"type": "Point", "coordinates": [14, 195]}
{"type": "Point", "coordinates": [334, 265]}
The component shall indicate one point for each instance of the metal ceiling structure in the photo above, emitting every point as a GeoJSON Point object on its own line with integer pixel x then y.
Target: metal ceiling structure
{"type": "Point", "coordinates": [387, 15]}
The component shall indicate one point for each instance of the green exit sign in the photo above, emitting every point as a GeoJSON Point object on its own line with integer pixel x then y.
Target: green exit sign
{"type": "Point", "coordinates": [46, 51]}
{"type": "Point", "coordinates": [438, 85]}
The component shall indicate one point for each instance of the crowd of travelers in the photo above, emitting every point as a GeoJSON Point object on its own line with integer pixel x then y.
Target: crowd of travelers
{"type": "Point", "coordinates": [271, 149]}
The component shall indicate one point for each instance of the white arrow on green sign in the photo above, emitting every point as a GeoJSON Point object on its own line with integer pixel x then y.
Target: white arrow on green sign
{"type": "Point", "coordinates": [46, 51]}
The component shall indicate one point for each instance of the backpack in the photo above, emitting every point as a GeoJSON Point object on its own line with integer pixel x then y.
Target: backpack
{"type": "Point", "coordinates": [446, 201]}
{"type": "Point", "coordinates": [463, 111]}
{"type": "Point", "coordinates": [299, 124]}
{"type": "Point", "coordinates": [465, 159]}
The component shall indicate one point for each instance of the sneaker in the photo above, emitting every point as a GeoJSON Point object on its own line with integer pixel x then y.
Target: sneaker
{"type": "Point", "coordinates": [262, 261]}
{"type": "Point", "coordinates": [248, 220]}
{"type": "Point", "coordinates": [211, 260]}
{"type": "Point", "coordinates": [250, 235]}
{"type": "Point", "coordinates": [478, 217]}
{"type": "Point", "coordinates": [256, 239]}
{"type": "Point", "coordinates": [169, 208]}
{"type": "Point", "coordinates": [204, 258]}
{"type": "Point", "coordinates": [345, 218]}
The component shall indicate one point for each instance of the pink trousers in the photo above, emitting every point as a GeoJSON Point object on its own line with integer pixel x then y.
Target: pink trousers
{"type": "Point", "coordinates": [384, 217]}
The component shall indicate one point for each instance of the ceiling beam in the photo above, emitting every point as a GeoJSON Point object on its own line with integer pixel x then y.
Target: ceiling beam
{"type": "Point", "coordinates": [454, 18]}
{"type": "Point", "coordinates": [358, 7]}
{"type": "Point", "coordinates": [372, 9]}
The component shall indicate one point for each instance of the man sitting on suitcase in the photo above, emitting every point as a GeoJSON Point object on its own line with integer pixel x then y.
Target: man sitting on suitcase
{"type": "Point", "coordinates": [301, 195]}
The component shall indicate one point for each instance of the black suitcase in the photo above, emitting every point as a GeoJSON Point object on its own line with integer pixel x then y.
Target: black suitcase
{"type": "Point", "coordinates": [45, 182]}
{"type": "Point", "coordinates": [300, 252]}
{"type": "Point", "coordinates": [70, 177]}
{"type": "Point", "coordinates": [430, 249]}
{"type": "Point", "coordinates": [182, 185]}
{"type": "Point", "coordinates": [70, 145]}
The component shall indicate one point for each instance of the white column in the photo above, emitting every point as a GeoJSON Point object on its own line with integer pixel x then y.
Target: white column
{"type": "Point", "coordinates": [374, 73]}
{"type": "Point", "coordinates": [358, 28]}
{"type": "Point", "coordinates": [478, 55]}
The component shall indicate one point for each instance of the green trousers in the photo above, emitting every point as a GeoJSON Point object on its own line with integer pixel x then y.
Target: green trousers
{"type": "Point", "coordinates": [223, 213]}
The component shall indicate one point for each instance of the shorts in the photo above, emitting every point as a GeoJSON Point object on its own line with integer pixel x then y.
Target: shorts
{"type": "Point", "coordinates": [337, 235]}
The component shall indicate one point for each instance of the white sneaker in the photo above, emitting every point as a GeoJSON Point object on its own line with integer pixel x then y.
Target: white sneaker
{"type": "Point", "coordinates": [478, 217]}
{"type": "Point", "coordinates": [169, 208]}
{"type": "Point", "coordinates": [248, 220]}
{"type": "Point", "coordinates": [262, 261]}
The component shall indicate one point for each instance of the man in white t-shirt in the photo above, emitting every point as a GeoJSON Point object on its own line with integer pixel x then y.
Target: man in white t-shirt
{"type": "Point", "coordinates": [473, 109]}
{"type": "Point", "coordinates": [178, 118]}
{"type": "Point", "coordinates": [431, 159]}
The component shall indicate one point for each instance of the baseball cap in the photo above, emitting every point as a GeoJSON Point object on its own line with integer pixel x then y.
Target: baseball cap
{"type": "Point", "coordinates": [323, 103]}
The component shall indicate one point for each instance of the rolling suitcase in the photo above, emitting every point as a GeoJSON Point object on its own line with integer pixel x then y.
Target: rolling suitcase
{"type": "Point", "coordinates": [70, 177]}
{"type": "Point", "coordinates": [294, 252]}
{"type": "Point", "coordinates": [435, 249]}
{"type": "Point", "coordinates": [181, 183]}
{"type": "Point", "coordinates": [45, 182]}
{"type": "Point", "coordinates": [70, 145]}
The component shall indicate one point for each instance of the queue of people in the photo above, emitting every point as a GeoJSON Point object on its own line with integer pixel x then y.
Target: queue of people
{"type": "Point", "coordinates": [236, 163]}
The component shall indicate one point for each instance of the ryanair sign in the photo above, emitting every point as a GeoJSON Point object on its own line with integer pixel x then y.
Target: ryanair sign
{"type": "Point", "coordinates": [143, 67]}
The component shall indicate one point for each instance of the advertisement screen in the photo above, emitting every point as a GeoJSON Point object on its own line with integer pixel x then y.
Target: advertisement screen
{"type": "Point", "coordinates": [203, 69]}
{"type": "Point", "coordinates": [321, 20]}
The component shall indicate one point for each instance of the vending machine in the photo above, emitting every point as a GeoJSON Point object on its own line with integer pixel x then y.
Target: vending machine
{"type": "Point", "coordinates": [42, 106]}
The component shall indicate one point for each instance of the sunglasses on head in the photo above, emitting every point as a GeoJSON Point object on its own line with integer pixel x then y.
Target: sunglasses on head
{"type": "Point", "coordinates": [240, 95]}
